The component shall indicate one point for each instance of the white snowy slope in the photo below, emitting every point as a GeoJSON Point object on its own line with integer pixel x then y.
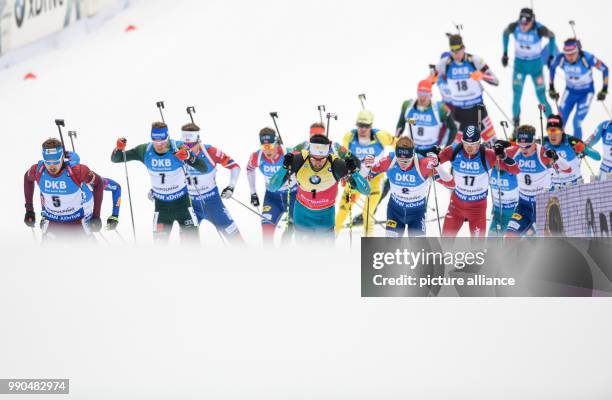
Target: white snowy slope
{"type": "Point", "coordinates": [220, 324]}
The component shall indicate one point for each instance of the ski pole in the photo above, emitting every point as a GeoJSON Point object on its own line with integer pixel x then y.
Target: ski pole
{"type": "Point", "coordinates": [573, 25]}
{"type": "Point", "coordinates": [274, 116]}
{"type": "Point", "coordinates": [480, 107]}
{"type": "Point", "coordinates": [72, 134]}
{"type": "Point", "coordinates": [362, 98]}
{"type": "Point", "coordinates": [288, 198]}
{"type": "Point", "coordinates": [484, 89]}
{"type": "Point", "coordinates": [499, 197]}
{"type": "Point", "coordinates": [541, 107]}
{"type": "Point", "coordinates": [504, 125]}
{"type": "Point", "coordinates": [329, 117]}
{"type": "Point", "coordinates": [253, 211]}
{"type": "Point", "coordinates": [191, 111]}
{"type": "Point", "coordinates": [60, 123]}
{"type": "Point", "coordinates": [127, 179]}
{"type": "Point", "coordinates": [607, 111]}
{"type": "Point", "coordinates": [160, 106]}
{"type": "Point", "coordinates": [433, 182]}
{"type": "Point", "coordinates": [321, 109]}
{"type": "Point", "coordinates": [349, 199]}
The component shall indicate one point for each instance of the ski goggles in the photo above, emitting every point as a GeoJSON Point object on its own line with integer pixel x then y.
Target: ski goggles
{"type": "Point", "coordinates": [404, 153]}
{"type": "Point", "coordinates": [319, 150]}
{"type": "Point", "coordinates": [570, 48]}
{"type": "Point", "coordinates": [190, 138]}
{"type": "Point", "coordinates": [159, 134]}
{"type": "Point", "coordinates": [53, 156]}
{"type": "Point", "coordinates": [267, 141]}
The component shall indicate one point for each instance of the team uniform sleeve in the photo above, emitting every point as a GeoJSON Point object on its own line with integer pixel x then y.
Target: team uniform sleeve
{"type": "Point", "coordinates": [553, 68]}
{"type": "Point", "coordinates": [85, 175]}
{"type": "Point", "coordinates": [135, 154]}
{"type": "Point", "coordinates": [219, 157]}
{"type": "Point", "coordinates": [115, 189]}
{"type": "Point", "coordinates": [29, 181]}
{"type": "Point", "coordinates": [446, 154]}
{"type": "Point", "coordinates": [401, 122]}
{"type": "Point", "coordinates": [252, 172]}
{"type": "Point", "coordinates": [560, 164]}
{"type": "Point", "coordinates": [380, 166]}
{"type": "Point", "coordinates": [506, 35]}
{"type": "Point", "coordinates": [596, 136]}
{"type": "Point", "coordinates": [481, 66]}
{"type": "Point", "coordinates": [449, 122]}
{"type": "Point", "coordinates": [507, 164]}
{"type": "Point", "coordinates": [543, 31]}
{"type": "Point", "coordinates": [600, 65]}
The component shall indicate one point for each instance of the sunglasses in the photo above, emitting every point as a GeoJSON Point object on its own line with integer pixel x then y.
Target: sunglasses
{"type": "Point", "coordinates": [364, 126]}
{"type": "Point", "coordinates": [53, 162]}
{"type": "Point", "coordinates": [524, 145]}
{"type": "Point", "coordinates": [554, 131]}
{"type": "Point", "coordinates": [317, 158]}
{"type": "Point", "coordinates": [456, 50]}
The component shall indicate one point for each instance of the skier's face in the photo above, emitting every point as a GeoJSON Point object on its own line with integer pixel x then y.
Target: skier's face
{"type": "Point", "coordinates": [526, 26]}
{"type": "Point", "coordinates": [555, 135]}
{"type": "Point", "coordinates": [405, 163]}
{"type": "Point", "coordinates": [423, 100]}
{"type": "Point", "coordinates": [160, 146]}
{"type": "Point", "coordinates": [527, 149]}
{"type": "Point", "coordinates": [364, 131]}
{"type": "Point", "coordinates": [458, 54]}
{"type": "Point", "coordinates": [471, 148]}
{"type": "Point", "coordinates": [317, 163]}
{"type": "Point", "coordinates": [269, 151]}
{"type": "Point", "coordinates": [54, 166]}
{"type": "Point", "coordinates": [571, 57]}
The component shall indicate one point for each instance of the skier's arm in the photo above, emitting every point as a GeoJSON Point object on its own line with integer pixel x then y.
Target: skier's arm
{"type": "Point", "coordinates": [197, 163]}
{"type": "Point", "coordinates": [581, 147]}
{"type": "Point", "coordinates": [115, 189]}
{"type": "Point", "coordinates": [280, 177]}
{"type": "Point", "coordinates": [595, 137]}
{"type": "Point", "coordinates": [29, 180]}
{"type": "Point", "coordinates": [488, 75]}
{"type": "Point", "coordinates": [506, 35]}
{"type": "Point", "coordinates": [600, 65]}
{"type": "Point", "coordinates": [553, 68]}
{"type": "Point", "coordinates": [380, 166]}
{"type": "Point", "coordinates": [401, 122]}
{"type": "Point", "coordinates": [449, 122]}
{"type": "Point", "coordinates": [220, 157]}
{"type": "Point", "coordinates": [507, 163]}
{"type": "Point", "coordinates": [137, 153]}
{"type": "Point", "coordinates": [446, 154]}
{"type": "Point", "coordinates": [85, 175]}
{"type": "Point", "coordinates": [547, 33]}
{"type": "Point", "coordinates": [561, 164]}
{"type": "Point", "coordinates": [251, 172]}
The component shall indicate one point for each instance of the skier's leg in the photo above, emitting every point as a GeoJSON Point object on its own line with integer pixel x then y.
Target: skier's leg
{"type": "Point", "coordinates": [518, 82]}
{"type": "Point", "coordinates": [582, 109]}
{"type": "Point", "coordinates": [453, 221]}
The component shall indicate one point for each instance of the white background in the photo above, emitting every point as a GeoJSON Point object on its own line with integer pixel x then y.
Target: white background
{"type": "Point", "coordinates": [216, 323]}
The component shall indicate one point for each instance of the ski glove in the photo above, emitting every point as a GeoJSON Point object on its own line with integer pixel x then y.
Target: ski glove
{"type": "Point", "coordinates": [112, 222]}
{"type": "Point", "coordinates": [288, 160]}
{"type": "Point", "coordinates": [255, 200]}
{"type": "Point", "coordinates": [552, 92]}
{"type": "Point", "coordinates": [227, 192]}
{"type": "Point", "coordinates": [505, 60]}
{"type": "Point", "coordinates": [30, 219]}
{"type": "Point", "coordinates": [121, 143]}
{"type": "Point", "coordinates": [183, 154]}
{"type": "Point", "coordinates": [95, 224]}
{"type": "Point", "coordinates": [550, 153]}
{"type": "Point", "coordinates": [352, 164]}
{"type": "Point", "coordinates": [601, 96]}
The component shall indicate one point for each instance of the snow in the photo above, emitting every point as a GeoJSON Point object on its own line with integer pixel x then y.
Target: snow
{"type": "Point", "coordinates": [156, 317]}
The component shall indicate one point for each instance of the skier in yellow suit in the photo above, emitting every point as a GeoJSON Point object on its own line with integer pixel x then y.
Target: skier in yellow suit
{"type": "Point", "coordinates": [368, 145]}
